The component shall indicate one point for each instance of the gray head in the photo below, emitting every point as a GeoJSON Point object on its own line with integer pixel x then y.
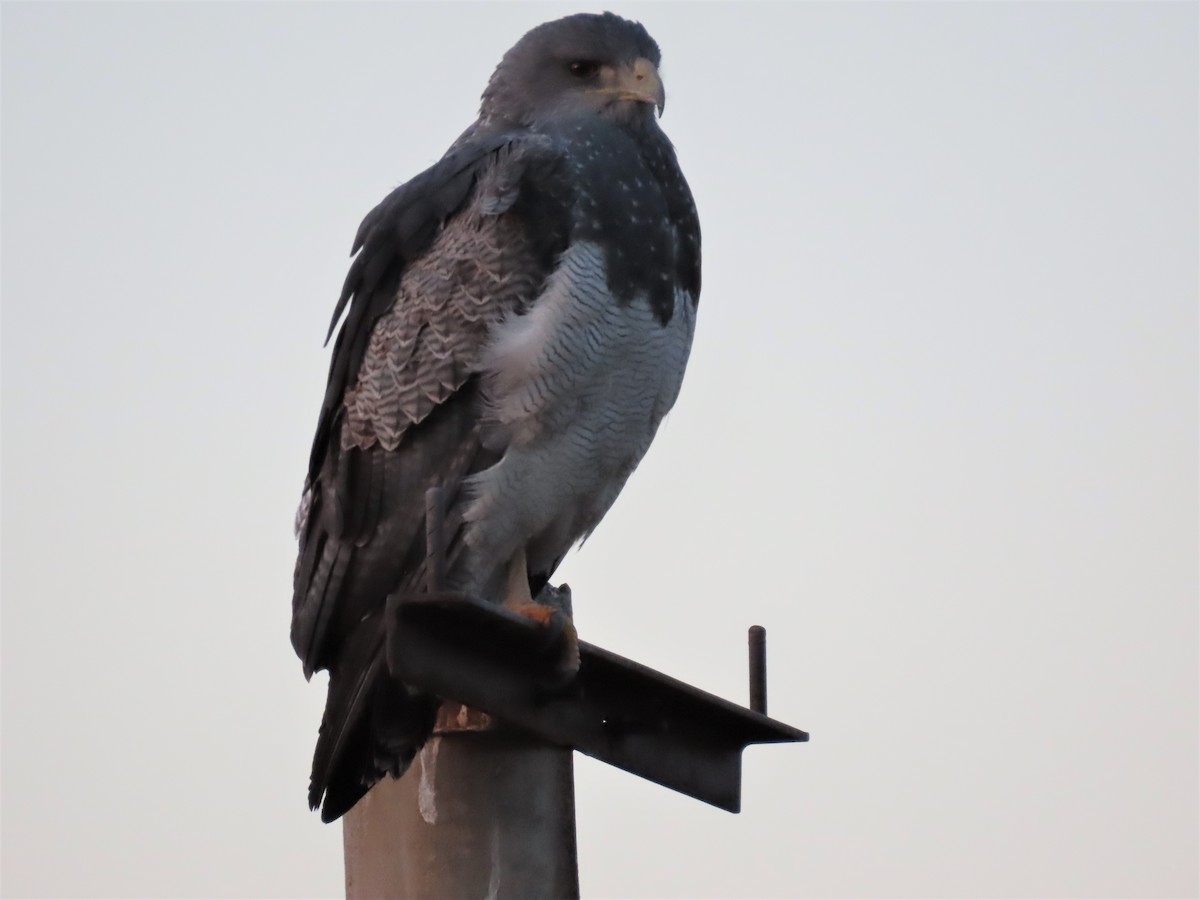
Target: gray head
{"type": "Point", "coordinates": [584, 63]}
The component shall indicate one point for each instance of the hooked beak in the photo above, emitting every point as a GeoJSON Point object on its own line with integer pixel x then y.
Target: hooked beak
{"type": "Point", "coordinates": [641, 83]}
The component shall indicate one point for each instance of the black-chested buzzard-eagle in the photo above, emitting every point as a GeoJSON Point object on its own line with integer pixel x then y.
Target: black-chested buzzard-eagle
{"type": "Point", "coordinates": [519, 319]}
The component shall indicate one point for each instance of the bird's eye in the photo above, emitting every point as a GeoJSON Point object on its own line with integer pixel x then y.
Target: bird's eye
{"type": "Point", "coordinates": [583, 68]}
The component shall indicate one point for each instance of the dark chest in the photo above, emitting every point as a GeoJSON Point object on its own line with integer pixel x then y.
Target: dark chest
{"type": "Point", "coordinates": [630, 198]}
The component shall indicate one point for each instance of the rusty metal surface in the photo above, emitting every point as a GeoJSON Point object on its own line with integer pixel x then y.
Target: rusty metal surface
{"type": "Point", "coordinates": [613, 709]}
{"type": "Point", "coordinates": [453, 717]}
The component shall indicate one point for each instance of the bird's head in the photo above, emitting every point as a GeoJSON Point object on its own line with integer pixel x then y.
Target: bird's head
{"type": "Point", "coordinates": [581, 64]}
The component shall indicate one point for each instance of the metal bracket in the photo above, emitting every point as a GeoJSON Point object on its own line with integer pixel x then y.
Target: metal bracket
{"type": "Point", "coordinates": [613, 709]}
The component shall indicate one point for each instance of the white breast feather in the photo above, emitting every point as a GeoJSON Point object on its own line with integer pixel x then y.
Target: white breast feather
{"type": "Point", "coordinates": [577, 388]}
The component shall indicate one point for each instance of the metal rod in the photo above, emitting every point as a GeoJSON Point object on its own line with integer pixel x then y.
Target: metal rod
{"type": "Point", "coordinates": [435, 539]}
{"type": "Point", "coordinates": [758, 669]}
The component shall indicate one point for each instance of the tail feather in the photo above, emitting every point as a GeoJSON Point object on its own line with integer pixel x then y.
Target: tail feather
{"type": "Point", "coordinates": [363, 539]}
{"type": "Point", "coordinates": [373, 725]}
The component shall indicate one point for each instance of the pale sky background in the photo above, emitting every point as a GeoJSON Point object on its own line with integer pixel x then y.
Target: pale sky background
{"type": "Point", "coordinates": [939, 435]}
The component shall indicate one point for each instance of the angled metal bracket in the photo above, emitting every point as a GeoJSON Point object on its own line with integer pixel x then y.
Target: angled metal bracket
{"type": "Point", "coordinates": [613, 709]}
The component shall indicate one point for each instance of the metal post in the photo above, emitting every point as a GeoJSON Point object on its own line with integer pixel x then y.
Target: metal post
{"type": "Point", "coordinates": [483, 812]}
{"type": "Point", "coordinates": [758, 669]}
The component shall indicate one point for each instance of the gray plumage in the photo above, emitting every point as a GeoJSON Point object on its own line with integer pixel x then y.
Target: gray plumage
{"type": "Point", "coordinates": [518, 320]}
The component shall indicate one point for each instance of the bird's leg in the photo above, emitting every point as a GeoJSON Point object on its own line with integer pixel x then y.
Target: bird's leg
{"type": "Point", "coordinates": [518, 599]}
{"type": "Point", "coordinates": [516, 593]}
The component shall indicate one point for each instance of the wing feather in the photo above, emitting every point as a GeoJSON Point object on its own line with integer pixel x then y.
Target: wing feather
{"type": "Point", "coordinates": [440, 261]}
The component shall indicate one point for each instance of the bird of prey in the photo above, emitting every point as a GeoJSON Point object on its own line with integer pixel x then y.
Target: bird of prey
{"type": "Point", "coordinates": [517, 322]}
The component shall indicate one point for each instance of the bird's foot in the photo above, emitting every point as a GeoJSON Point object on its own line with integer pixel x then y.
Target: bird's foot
{"type": "Point", "coordinates": [554, 614]}
{"type": "Point", "coordinates": [561, 632]}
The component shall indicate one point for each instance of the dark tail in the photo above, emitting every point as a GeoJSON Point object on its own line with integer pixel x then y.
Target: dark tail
{"type": "Point", "coordinates": [373, 725]}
